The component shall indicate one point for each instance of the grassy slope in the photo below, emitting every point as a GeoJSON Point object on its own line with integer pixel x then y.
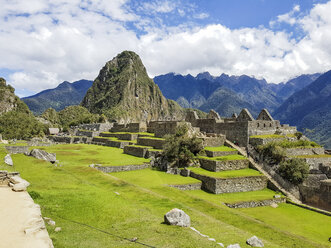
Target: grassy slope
{"type": "Point", "coordinates": [219, 149]}
{"type": "Point", "coordinates": [79, 193]}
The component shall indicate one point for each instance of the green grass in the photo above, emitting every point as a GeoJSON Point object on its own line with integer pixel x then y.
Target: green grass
{"type": "Point", "coordinates": [225, 158]}
{"type": "Point", "coordinates": [219, 149]}
{"type": "Point", "coordinates": [148, 147]}
{"type": "Point", "coordinates": [93, 154]}
{"type": "Point", "coordinates": [156, 138]}
{"type": "Point", "coordinates": [116, 139]}
{"type": "Point", "coordinates": [226, 174]}
{"type": "Point", "coordinates": [78, 193]}
{"type": "Point", "coordinates": [268, 136]}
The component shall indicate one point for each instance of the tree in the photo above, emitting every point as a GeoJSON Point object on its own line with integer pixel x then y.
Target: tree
{"type": "Point", "coordinates": [181, 148]}
{"type": "Point", "coordinates": [295, 170]}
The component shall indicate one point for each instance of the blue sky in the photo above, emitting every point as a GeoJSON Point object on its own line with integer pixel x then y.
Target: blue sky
{"type": "Point", "coordinates": [45, 42]}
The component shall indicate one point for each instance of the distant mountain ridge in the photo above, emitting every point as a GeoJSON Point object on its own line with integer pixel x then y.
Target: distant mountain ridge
{"type": "Point", "coordinates": [64, 95]}
{"type": "Point", "coordinates": [310, 108]}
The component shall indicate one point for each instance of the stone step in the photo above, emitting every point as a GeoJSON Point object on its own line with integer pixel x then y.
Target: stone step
{"type": "Point", "coordinates": [141, 151]}
{"type": "Point", "coordinates": [224, 182]}
{"type": "Point", "coordinates": [223, 165]}
{"type": "Point", "coordinates": [109, 142]}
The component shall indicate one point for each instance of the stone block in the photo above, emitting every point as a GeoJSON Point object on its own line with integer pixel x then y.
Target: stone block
{"type": "Point", "coordinates": [155, 143]}
{"type": "Point", "coordinates": [218, 165]}
{"type": "Point", "coordinates": [220, 153]}
{"type": "Point", "coordinates": [110, 169]}
{"type": "Point", "coordinates": [136, 151]}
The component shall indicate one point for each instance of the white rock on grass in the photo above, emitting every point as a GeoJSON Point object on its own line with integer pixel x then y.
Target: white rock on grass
{"type": "Point", "coordinates": [233, 246]}
{"type": "Point", "coordinates": [9, 160]}
{"type": "Point", "coordinates": [18, 183]}
{"type": "Point", "coordinates": [255, 242]}
{"type": "Point", "coordinates": [220, 244]}
{"type": "Point", "coordinates": [177, 217]}
{"type": "Point", "coordinates": [57, 229]}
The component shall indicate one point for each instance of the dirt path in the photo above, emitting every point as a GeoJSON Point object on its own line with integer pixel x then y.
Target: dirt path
{"type": "Point", "coordinates": [21, 225]}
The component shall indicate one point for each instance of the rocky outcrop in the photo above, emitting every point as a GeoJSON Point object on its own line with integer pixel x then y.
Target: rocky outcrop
{"type": "Point", "coordinates": [255, 242]}
{"type": "Point", "coordinates": [177, 217]}
{"type": "Point", "coordinates": [43, 155]}
{"type": "Point", "coordinates": [18, 183]}
{"type": "Point", "coordinates": [124, 92]}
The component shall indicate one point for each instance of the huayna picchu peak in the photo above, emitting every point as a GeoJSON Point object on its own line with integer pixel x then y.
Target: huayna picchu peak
{"type": "Point", "coordinates": [124, 92]}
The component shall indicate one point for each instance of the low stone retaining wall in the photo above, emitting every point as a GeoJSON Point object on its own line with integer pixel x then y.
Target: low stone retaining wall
{"type": "Point", "coordinates": [61, 139]}
{"type": "Point", "coordinates": [305, 151]}
{"type": "Point", "coordinates": [217, 140]}
{"type": "Point", "coordinates": [260, 141]}
{"type": "Point", "coordinates": [150, 153]}
{"type": "Point", "coordinates": [253, 204]}
{"type": "Point", "coordinates": [192, 186]}
{"type": "Point", "coordinates": [87, 133]}
{"type": "Point", "coordinates": [314, 163]}
{"type": "Point", "coordinates": [109, 169]}
{"type": "Point", "coordinates": [121, 136]}
{"type": "Point", "coordinates": [217, 165]}
{"type": "Point", "coordinates": [155, 143]}
{"type": "Point", "coordinates": [220, 153]}
{"type": "Point", "coordinates": [231, 185]}
{"type": "Point", "coordinates": [136, 151]}
{"type": "Point", "coordinates": [17, 149]}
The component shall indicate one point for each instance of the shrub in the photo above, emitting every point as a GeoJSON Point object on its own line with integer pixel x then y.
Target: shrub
{"type": "Point", "coordinates": [298, 135]}
{"type": "Point", "coordinates": [273, 152]}
{"type": "Point", "coordinates": [181, 148]}
{"type": "Point", "coordinates": [295, 170]}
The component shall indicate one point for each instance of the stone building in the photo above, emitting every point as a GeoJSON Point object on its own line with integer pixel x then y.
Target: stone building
{"type": "Point", "coordinates": [239, 128]}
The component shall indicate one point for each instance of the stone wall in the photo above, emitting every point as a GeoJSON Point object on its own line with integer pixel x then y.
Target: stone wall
{"type": "Point", "coordinates": [5, 177]}
{"type": "Point", "coordinates": [206, 125]}
{"type": "Point", "coordinates": [109, 169]}
{"type": "Point", "coordinates": [101, 127]}
{"type": "Point", "coordinates": [61, 139]}
{"type": "Point", "coordinates": [314, 163]}
{"type": "Point", "coordinates": [192, 186]}
{"type": "Point", "coordinates": [130, 127]}
{"type": "Point", "coordinates": [260, 141]}
{"type": "Point", "coordinates": [155, 143]}
{"type": "Point", "coordinates": [253, 204]}
{"type": "Point", "coordinates": [121, 136]}
{"type": "Point", "coordinates": [17, 149]}
{"type": "Point", "coordinates": [231, 185]}
{"type": "Point", "coordinates": [87, 133]}
{"type": "Point", "coordinates": [304, 151]}
{"type": "Point", "coordinates": [216, 165]}
{"type": "Point", "coordinates": [236, 132]}
{"type": "Point", "coordinates": [136, 151]}
{"type": "Point", "coordinates": [214, 140]}
{"type": "Point", "coordinates": [220, 153]}
{"type": "Point", "coordinates": [167, 127]}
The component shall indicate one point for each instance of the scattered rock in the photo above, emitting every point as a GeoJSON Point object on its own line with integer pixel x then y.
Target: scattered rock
{"type": "Point", "coordinates": [177, 217]}
{"type": "Point", "coordinates": [9, 160]}
{"type": "Point", "coordinates": [57, 229]}
{"type": "Point", "coordinates": [212, 239]}
{"type": "Point", "coordinates": [233, 246]}
{"type": "Point", "coordinates": [92, 165]}
{"type": "Point", "coordinates": [277, 196]}
{"type": "Point", "coordinates": [117, 193]}
{"type": "Point", "coordinates": [274, 205]}
{"type": "Point", "coordinates": [220, 244]}
{"type": "Point", "coordinates": [134, 239]}
{"type": "Point", "coordinates": [43, 155]}
{"type": "Point", "coordinates": [255, 242]}
{"type": "Point", "coordinates": [51, 222]}
{"type": "Point", "coordinates": [18, 183]}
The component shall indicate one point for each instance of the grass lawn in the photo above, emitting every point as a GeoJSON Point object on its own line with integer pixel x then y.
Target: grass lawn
{"type": "Point", "coordinates": [75, 194]}
{"type": "Point", "coordinates": [93, 154]}
{"type": "Point", "coordinates": [225, 158]}
{"type": "Point", "coordinates": [226, 174]}
{"type": "Point", "coordinates": [156, 138]}
{"type": "Point", "coordinates": [219, 149]}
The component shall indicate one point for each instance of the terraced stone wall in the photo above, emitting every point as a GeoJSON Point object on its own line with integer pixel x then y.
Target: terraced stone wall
{"type": "Point", "coordinates": [135, 151]}
{"type": "Point", "coordinates": [253, 204]}
{"type": "Point", "coordinates": [216, 165]}
{"type": "Point", "coordinates": [17, 149]}
{"type": "Point", "coordinates": [156, 143]}
{"type": "Point", "coordinates": [305, 151]}
{"type": "Point", "coordinates": [193, 186]}
{"type": "Point", "coordinates": [109, 169]}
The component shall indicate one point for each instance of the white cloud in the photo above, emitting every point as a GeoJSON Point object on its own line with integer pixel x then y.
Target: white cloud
{"type": "Point", "coordinates": [288, 18]}
{"type": "Point", "coordinates": [201, 16]}
{"type": "Point", "coordinates": [57, 40]}
{"type": "Point", "coordinates": [160, 6]}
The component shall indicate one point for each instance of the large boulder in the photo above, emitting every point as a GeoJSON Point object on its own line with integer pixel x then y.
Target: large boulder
{"type": "Point", "coordinates": [177, 217]}
{"type": "Point", "coordinates": [9, 160]}
{"type": "Point", "coordinates": [255, 242]}
{"type": "Point", "coordinates": [43, 155]}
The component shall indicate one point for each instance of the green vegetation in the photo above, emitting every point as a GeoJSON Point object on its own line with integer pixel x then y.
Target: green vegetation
{"type": "Point", "coordinates": [219, 149]}
{"type": "Point", "coordinates": [151, 137]}
{"type": "Point", "coordinates": [78, 193]}
{"type": "Point", "coordinates": [180, 148]}
{"type": "Point", "coordinates": [226, 174]}
{"type": "Point", "coordinates": [297, 144]}
{"type": "Point", "coordinates": [225, 158]}
{"type": "Point", "coordinates": [295, 170]}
